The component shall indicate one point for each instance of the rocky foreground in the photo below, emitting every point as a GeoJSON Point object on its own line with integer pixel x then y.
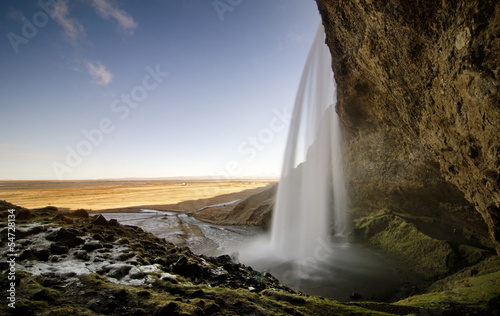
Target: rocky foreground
{"type": "Point", "coordinates": [75, 264]}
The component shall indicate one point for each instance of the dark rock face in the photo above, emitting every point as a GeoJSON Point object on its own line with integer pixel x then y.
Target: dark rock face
{"type": "Point", "coordinates": [100, 220]}
{"type": "Point", "coordinates": [418, 93]}
{"type": "Point", "coordinates": [81, 213]}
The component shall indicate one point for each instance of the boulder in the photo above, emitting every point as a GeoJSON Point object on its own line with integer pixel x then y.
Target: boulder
{"type": "Point", "coordinates": [23, 214]}
{"type": "Point", "coordinates": [118, 270]}
{"type": "Point", "coordinates": [58, 248]}
{"type": "Point", "coordinates": [61, 234]}
{"type": "Point", "coordinates": [64, 219]}
{"type": "Point", "coordinates": [80, 213]}
{"type": "Point", "coordinates": [100, 220]}
{"type": "Point", "coordinates": [92, 245]}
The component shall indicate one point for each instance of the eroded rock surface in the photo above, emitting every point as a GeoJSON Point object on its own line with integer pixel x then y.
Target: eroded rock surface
{"type": "Point", "coordinates": [418, 93]}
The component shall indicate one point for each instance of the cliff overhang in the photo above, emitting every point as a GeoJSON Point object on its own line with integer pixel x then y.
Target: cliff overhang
{"type": "Point", "coordinates": [418, 94]}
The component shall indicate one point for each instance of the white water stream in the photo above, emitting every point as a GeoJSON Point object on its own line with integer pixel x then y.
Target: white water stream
{"type": "Point", "coordinates": [311, 192]}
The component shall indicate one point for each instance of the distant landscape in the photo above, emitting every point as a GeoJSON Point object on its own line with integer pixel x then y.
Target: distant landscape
{"type": "Point", "coordinates": [102, 195]}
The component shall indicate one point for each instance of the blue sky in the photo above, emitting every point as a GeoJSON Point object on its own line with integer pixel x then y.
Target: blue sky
{"type": "Point", "coordinates": [113, 88]}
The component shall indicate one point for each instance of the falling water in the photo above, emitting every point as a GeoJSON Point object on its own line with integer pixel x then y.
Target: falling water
{"type": "Point", "coordinates": [310, 205]}
{"type": "Point", "coordinates": [311, 195]}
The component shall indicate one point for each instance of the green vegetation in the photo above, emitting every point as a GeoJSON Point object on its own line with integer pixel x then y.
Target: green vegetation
{"type": "Point", "coordinates": [183, 283]}
{"type": "Point", "coordinates": [474, 288]}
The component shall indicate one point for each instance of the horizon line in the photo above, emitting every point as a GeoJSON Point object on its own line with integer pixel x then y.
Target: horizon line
{"type": "Point", "coordinates": [215, 178]}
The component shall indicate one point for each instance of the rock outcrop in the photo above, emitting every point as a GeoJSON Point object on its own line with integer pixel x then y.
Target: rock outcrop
{"type": "Point", "coordinates": [418, 94]}
{"type": "Point", "coordinates": [255, 210]}
{"type": "Point", "coordinates": [89, 268]}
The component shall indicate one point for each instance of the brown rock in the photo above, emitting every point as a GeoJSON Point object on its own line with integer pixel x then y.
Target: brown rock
{"type": "Point", "coordinates": [81, 213]}
{"type": "Point", "coordinates": [22, 213]}
{"type": "Point", "coordinates": [418, 94]}
{"type": "Point", "coordinates": [64, 219]}
{"type": "Point", "coordinates": [100, 220]}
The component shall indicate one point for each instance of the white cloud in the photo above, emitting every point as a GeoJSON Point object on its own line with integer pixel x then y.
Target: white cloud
{"type": "Point", "coordinates": [72, 28]}
{"type": "Point", "coordinates": [125, 22]}
{"type": "Point", "coordinates": [98, 72]}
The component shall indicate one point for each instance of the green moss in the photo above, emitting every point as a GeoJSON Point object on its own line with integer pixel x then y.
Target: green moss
{"type": "Point", "coordinates": [387, 230]}
{"type": "Point", "coordinates": [478, 292]}
{"type": "Point", "coordinates": [92, 279]}
{"type": "Point", "coordinates": [69, 310]}
{"type": "Point", "coordinates": [277, 302]}
{"type": "Point", "coordinates": [401, 240]}
{"type": "Point", "coordinates": [471, 255]}
{"type": "Point", "coordinates": [46, 294]}
{"type": "Point", "coordinates": [283, 296]}
{"type": "Point", "coordinates": [487, 266]}
{"type": "Point", "coordinates": [29, 307]}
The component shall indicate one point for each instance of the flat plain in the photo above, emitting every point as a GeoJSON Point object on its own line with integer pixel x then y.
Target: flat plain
{"type": "Point", "coordinates": [128, 195]}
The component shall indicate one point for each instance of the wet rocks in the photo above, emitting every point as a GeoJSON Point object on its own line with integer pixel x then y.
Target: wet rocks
{"type": "Point", "coordinates": [223, 260]}
{"type": "Point", "coordinates": [73, 242]}
{"type": "Point", "coordinates": [92, 245]}
{"type": "Point", "coordinates": [187, 268]}
{"type": "Point", "coordinates": [35, 230]}
{"type": "Point", "coordinates": [58, 248]}
{"type": "Point", "coordinates": [100, 220]}
{"type": "Point", "coordinates": [128, 256]}
{"type": "Point", "coordinates": [113, 222]}
{"type": "Point", "coordinates": [68, 237]}
{"type": "Point", "coordinates": [31, 254]}
{"type": "Point", "coordinates": [81, 255]}
{"type": "Point", "coordinates": [117, 271]}
{"type": "Point", "coordinates": [61, 234]}
{"type": "Point", "coordinates": [4, 233]}
{"type": "Point", "coordinates": [135, 273]}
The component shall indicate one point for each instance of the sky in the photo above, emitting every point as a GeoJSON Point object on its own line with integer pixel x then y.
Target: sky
{"type": "Point", "coordinates": [101, 89]}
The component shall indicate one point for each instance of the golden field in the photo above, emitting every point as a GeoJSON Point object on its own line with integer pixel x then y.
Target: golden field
{"type": "Point", "coordinates": [99, 195]}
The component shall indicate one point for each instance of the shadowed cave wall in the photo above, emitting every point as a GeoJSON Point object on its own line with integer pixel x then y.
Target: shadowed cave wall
{"type": "Point", "coordinates": [418, 95]}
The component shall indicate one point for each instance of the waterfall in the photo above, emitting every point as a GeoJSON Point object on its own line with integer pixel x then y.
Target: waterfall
{"type": "Point", "coordinates": [311, 194]}
{"type": "Point", "coordinates": [310, 206]}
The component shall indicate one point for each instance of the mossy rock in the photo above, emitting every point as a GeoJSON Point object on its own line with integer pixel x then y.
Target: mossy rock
{"type": "Point", "coordinates": [80, 213]}
{"type": "Point", "coordinates": [472, 255]}
{"type": "Point", "coordinates": [392, 235]}
{"type": "Point", "coordinates": [283, 296]}
{"type": "Point", "coordinates": [478, 293]}
{"type": "Point", "coordinates": [71, 310]}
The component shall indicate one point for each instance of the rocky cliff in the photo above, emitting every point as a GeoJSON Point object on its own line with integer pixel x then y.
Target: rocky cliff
{"type": "Point", "coordinates": [418, 94]}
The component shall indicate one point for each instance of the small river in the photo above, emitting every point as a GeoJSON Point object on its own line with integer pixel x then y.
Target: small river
{"type": "Point", "coordinates": [183, 230]}
{"type": "Point", "coordinates": [350, 269]}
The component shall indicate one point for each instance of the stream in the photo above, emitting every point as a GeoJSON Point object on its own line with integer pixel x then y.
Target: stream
{"type": "Point", "coordinates": [183, 230]}
{"type": "Point", "coordinates": [350, 269]}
